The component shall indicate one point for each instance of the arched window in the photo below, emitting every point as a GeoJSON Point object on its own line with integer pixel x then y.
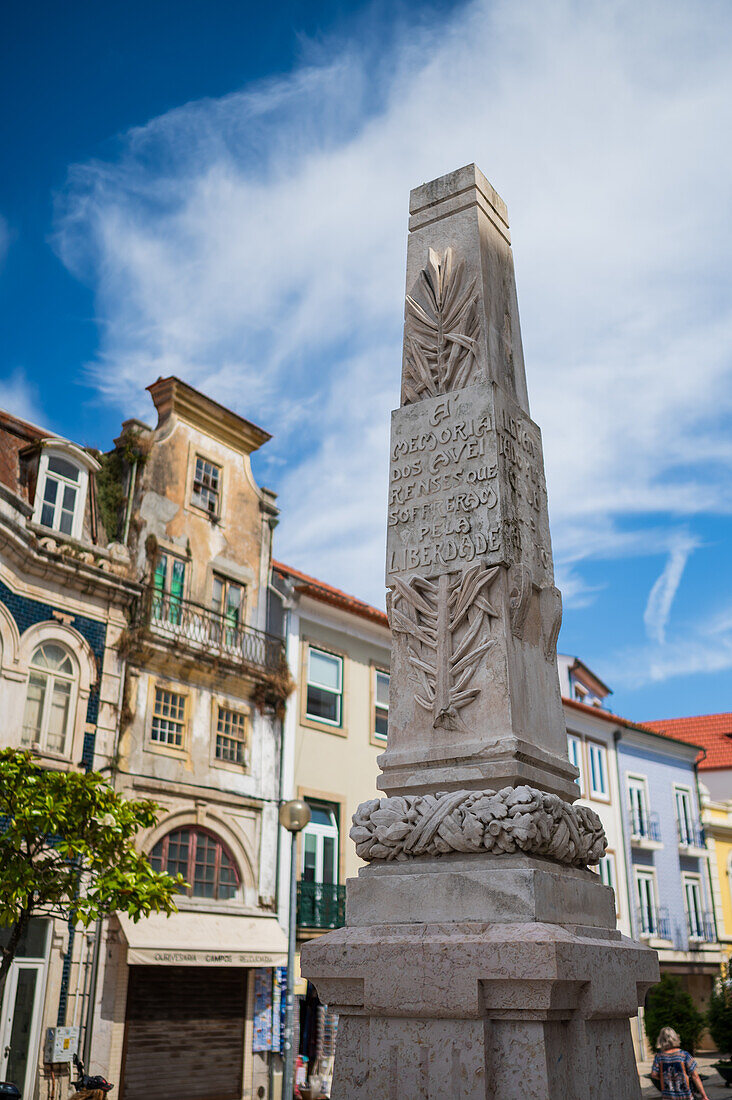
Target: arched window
{"type": "Point", "coordinates": [48, 702]}
{"type": "Point", "coordinates": [203, 861]}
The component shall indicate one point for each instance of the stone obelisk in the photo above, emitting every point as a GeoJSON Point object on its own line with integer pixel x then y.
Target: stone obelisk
{"type": "Point", "coordinates": [480, 956]}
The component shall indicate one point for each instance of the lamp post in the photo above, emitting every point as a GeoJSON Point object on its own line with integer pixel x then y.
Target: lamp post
{"type": "Point", "coordinates": [294, 816]}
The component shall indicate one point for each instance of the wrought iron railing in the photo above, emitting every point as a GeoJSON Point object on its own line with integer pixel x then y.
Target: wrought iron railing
{"type": "Point", "coordinates": [206, 631]}
{"type": "Point", "coordinates": [691, 834]}
{"type": "Point", "coordinates": [321, 905]}
{"type": "Point", "coordinates": [644, 825]}
{"type": "Point", "coordinates": [654, 922]}
{"type": "Point", "coordinates": [701, 927]}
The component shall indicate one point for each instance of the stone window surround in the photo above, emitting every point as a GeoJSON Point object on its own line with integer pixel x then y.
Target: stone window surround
{"type": "Point", "coordinates": [375, 667]}
{"type": "Point", "coordinates": [149, 745]}
{"type": "Point", "coordinates": [18, 650]}
{"type": "Point", "coordinates": [313, 723]}
{"type": "Point", "coordinates": [244, 858]}
{"type": "Point", "coordinates": [582, 778]}
{"type": "Point", "coordinates": [697, 879]}
{"type": "Point", "coordinates": [240, 707]}
{"type": "Point", "coordinates": [592, 795]}
{"type": "Point", "coordinates": [195, 451]}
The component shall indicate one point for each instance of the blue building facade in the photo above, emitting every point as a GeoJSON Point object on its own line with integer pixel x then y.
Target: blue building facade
{"type": "Point", "coordinates": [668, 870]}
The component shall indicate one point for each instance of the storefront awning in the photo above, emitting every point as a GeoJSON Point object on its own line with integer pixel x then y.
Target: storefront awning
{"type": "Point", "coordinates": [204, 939]}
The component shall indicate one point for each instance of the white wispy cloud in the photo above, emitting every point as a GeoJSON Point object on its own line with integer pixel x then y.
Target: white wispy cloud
{"type": "Point", "coordinates": [255, 245]}
{"type": "Point", "coordinates": [19, 395]}
{"type": "Point", "coordinates": [701, 648]}
{"type": "Point", "coordinates": [661, 596]}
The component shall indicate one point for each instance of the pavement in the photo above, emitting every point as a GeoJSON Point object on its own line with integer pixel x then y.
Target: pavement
{"type": "Point", "coordinates": [715, 1087]}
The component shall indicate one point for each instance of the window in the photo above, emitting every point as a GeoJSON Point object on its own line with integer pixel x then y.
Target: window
{"type": "Point", "coordinates": [48, 701]}
{"type": "Point", "coordinates": [61, 495]}
{"type": "Point", "coordinates": [381, 704]}
{"type": "Point", "coordinates": [574, 748]}
{"type": "Point", "coordinates": [168, 586]}
{"type": "Point", "coordinates": [202, 860]}
{"type": "Point", "coordinates": [169, 718]}
{"type": "Point", "coordinates": [606, 870]}
{"type": "Point", "coordinates": [320, 845]}
{"type": "Point", "coordinates": [206, 486]}
{"type": "Point", "coordinates": [231, 736]}
{"type": "Point", "coordinates": [598, 770]}
{"type": "Point", "coordinates": [325, 687]}
{"type": "Point", "coordinates": [228, 603]}
{"type": "Point", "coordinates": [647, 914]}
{"type": "Point", "coordinates": [639, 816]}
{"type": "Point", "coordinates": [694, 909]}
{"type": "Point", "coordinates": [687, 832]}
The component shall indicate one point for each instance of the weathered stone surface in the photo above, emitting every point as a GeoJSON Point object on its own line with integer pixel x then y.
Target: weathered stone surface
{"type": "Point", "coordinates": [473, 607]}
{"type": "Point", "coordinates": [480, 957]}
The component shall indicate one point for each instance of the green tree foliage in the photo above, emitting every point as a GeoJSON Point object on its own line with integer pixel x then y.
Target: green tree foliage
{"type": "Point", "coordinates": [719, 1013]}
{"type": "Point", "coordinates": [669, 1005]}
{"type": "Point", "coordinates": [67, 849]}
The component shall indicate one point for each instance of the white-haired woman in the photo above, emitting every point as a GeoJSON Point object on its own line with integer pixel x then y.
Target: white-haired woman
{"type": "Point", "coordinates": [674, 1069]}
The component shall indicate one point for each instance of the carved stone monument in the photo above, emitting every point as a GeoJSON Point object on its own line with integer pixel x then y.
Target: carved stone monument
{"type": "Point", "coordinates": [480, 957]}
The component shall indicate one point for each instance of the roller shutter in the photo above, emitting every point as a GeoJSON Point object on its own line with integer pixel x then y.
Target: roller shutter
{"type": "Point", "coordinates": [184, 1033]}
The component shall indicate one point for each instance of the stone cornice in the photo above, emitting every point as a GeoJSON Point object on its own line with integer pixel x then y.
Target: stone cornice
{"type": "Point", "coordinates": [33, 559]}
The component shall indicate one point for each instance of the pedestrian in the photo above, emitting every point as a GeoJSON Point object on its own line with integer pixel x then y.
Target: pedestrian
{"type": "Point", "coordinates": [674, 1070]}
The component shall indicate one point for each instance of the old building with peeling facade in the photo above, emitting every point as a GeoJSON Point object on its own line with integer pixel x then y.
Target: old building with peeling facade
{"type": "Point", "coordinates": [152, 565]}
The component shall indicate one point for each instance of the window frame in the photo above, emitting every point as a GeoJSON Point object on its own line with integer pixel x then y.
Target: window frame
{"type": "Point", "coordinates": [609, 859]}
{"type": "Point", "coordinates": [374, 737]}
{"type": "Point", "coordinates": [322, 833]}
{"type": "Point", "coordinates": [646, 874]}
{"type": "Point", "coordinates": [153, 745]}
{"type": "Point", "coordinates": [217, 705]}
{"type": "Point", "coordinates": [639, 783]}
{"type": "Point", "coordinates": [81, 487]}
{"type": "Point", "coordinates": [686, 833]}
{"type": "Point", "coordinates": [194, 831]}
{"type": "Point", "coordinates": [51, 675]}
{"type": "Point", "coordinates": [693, 879]}
{"type": "Point", "coordinates": [581, 780]}
{"type": "Point", "coordinates": [228, 583]}
{"type": "Point", "coordinates": [200, 456]}
{"type": "Point", "coordinates": [592, 793]}
{"type": "Point", "coordinates": [339, 728]}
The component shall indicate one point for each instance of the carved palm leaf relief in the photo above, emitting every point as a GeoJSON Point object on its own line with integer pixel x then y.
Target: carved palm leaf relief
{"type": "Point", "coordinates": [441, 330]}
{"type": "Point", "coordinates": [446, 622]}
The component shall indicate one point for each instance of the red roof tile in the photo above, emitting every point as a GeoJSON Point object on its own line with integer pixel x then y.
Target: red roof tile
{"type": "Point", "coordinates": [319, 590]}
{"type": "Point", "coordinates": [712, 731]}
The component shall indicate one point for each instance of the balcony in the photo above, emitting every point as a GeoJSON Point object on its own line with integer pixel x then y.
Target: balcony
{"type": "Point", "coordinates": [645, 831]}
{"type": "Point", "coordinates": [653, 924]}
{"type": "Point", "coordinates": [692, 840]}
{"type": "Point", "coordinates": [205, 633]}
{"type": "Point", "coordinates": [321, 905]}
{"type": "Point", "coordinates": [701, 928]}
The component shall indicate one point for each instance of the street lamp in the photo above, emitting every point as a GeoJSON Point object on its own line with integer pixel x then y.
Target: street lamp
{"type": "Point", "coordinates": [294, 816]}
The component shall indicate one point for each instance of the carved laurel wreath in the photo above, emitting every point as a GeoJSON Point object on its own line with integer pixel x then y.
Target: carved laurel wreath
{"type": "Point", "coordinates": [441, 332]}
{"type": "Point", "coordinates": [514, 819]}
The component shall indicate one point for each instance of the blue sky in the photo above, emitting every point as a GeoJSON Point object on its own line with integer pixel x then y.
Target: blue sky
{"type": "Point", "coordinates": [219, 190]}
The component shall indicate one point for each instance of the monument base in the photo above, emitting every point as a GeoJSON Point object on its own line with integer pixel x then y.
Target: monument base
{"type": "Point", "coordinates": [530, 1003]}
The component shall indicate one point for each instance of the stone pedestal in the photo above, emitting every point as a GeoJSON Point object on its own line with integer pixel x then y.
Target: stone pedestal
{"type": "Point", "coordinates": [513, 983]}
